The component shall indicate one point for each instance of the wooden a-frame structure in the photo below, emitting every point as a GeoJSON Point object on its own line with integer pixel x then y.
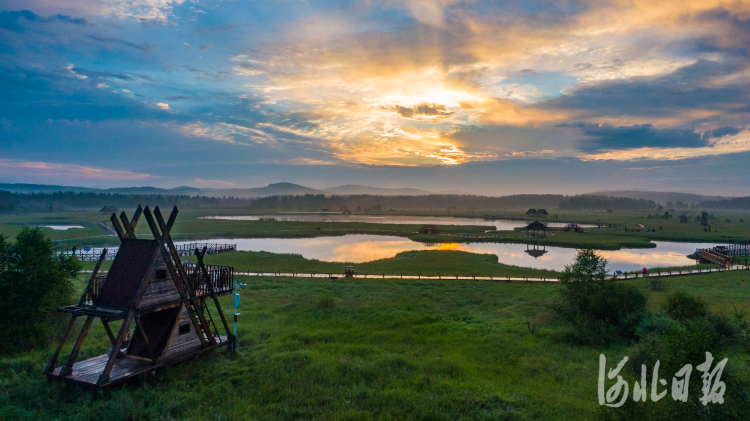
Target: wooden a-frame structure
{"type": "Point", "coordinates": [166, 300]}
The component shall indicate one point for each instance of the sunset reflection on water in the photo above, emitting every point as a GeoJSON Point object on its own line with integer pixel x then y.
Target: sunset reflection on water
{"type": "Point", "coordinates": [365, 248]}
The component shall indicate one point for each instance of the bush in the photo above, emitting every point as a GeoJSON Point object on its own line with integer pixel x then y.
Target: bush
{"type": "Point", "coordinates": [654, 323]}
{"type": "Point", "coordinates": [683, 343]}
{"type": "Point", "coordinates": [34, 283]}
{"type": "Point", "coordinates": [682, 306]}
{"type": "Point", "coordinates": [597, 305]}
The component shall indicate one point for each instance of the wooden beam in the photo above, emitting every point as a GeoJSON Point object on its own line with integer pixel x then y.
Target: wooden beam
{"type": "Point", "coordinates": [170, 244]}
{"type": "Point", "coordinates": [136, 217]}
{"type": "Point", "coordinates": [126, 224]}
{"type": "Point", "coordinates": [104, 377]}
{"type": "Point", "coordinates": [172, 218]}
{"type": "Point", "coordinates": [77, 347]}
{"type": "Point", "coordinates": [93, 276]}
{"type": "Point", "coordinates": [53, 361]}
{"type": "Point", "coordinates": [117, 227]}
{"type": "Point", "coordinates": [178, 282]}
{"type": "Point", "coordinates": [178, 264]}
{"type": "Point", "coordinates": [109, 332]}
{"type": "Point", "coordinates": [211, 288]}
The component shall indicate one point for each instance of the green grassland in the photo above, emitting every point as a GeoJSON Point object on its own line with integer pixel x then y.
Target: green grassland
{"type": "Point", "coordinates": [726, 227]}
{"type": "Point", "coordinates": [423, 262]}
{"type": "Point", "coordinates": [367, 349]}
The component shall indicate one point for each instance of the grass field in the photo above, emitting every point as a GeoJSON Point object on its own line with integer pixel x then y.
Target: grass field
{"type": "Point", "coordinates": [726, 227]}
{"type": "Point", "coordinates": [368, 349]}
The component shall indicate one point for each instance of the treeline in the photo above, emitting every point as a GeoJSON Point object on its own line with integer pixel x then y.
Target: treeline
{"type": "Point", "coordinates": [589, 202]}
{"type": "Point", "coordinates": [45, 202]}
{"type": "Point", "coordinates": [427, 202]}
{"type": "Point", "coordinates": [733, 203]}
{"type": "Point", "coordinates": [60, 201]}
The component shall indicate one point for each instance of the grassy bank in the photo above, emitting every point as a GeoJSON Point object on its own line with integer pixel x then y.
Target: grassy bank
{"type": "Point", "coordinates": [426, 263]}
{"type": "Point", "coordinates": [367, 349]}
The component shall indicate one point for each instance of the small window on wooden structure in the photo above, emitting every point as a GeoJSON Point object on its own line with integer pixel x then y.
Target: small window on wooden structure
{"type": "Point", "coordinates": [184, 328]}
{"type": "Point", "coordinates": [161, 274]}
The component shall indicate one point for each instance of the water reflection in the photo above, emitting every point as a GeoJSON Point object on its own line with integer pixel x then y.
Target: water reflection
{"type": "Point", "coordinates": [365, 248]}
{"type": "Point", "coordinates": [62, 227]}
{"type": "Point", "coordinates": [499, 224]}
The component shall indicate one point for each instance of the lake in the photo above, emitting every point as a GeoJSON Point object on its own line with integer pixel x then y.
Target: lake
{"type": "Point", "coordinates": [365, 248]}
{"type": "Point", "coordinates": [62, 227]}
{"type": "Point", "coordinates": [499, 224]}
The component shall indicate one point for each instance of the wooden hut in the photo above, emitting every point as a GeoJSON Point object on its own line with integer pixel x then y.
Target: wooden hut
{"type": "Point", "coordinates": [536, 229]}
{"type": "Point", "coordinates": [542, 212]}
{"type": "Point", "coordinates": [148, 286]}
{"type": "Point", "coordinates": [429, 229]}
{"type": "Point", "coordinates": [531, 212]}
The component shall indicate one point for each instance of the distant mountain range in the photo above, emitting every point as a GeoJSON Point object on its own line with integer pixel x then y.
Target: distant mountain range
{"type": "Point", "coordinates": [275, 189]}
{"type": "Point", "coordinates": [282, 189]}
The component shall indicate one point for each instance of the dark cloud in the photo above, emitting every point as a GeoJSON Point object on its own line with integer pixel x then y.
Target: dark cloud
{"type": "Point", "coordinates": [34, 95]}
{"type": "Point", "coordinates": [178, 98]}
{"type": "Point", "coordinates": [721, 131]}
{"type": "Point", "coordinates": [688, 88]}
{"type": "Point", "coordinates": [146, 48]}
{"type": "Point", "coordinates": [11, 20]}
{"type": "Point", "coordinates": [426, 109]}
{"type": "Point", "coordinates": [604, 136]}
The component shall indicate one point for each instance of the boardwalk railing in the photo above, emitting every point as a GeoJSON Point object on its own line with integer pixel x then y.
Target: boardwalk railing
{"type": "Point", "coordinates": [183, 250]}
{"type": "Point", "coordinates": [626, 275]}
{"type": "Point", "coordinates": [93, 289]}
{"type": "Point", "coordinates": [220, 278]}
{"type": "Point", "coordinates": [723, 255]}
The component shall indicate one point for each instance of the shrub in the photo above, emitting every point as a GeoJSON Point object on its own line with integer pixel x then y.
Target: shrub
{"type": "Point", "coordinates": [682, 306]}
{"type": "Point", "coordinates": [596, 304]}
{"type": "Point", "coordinates": [653, 323]}
{"type": "Point", "coordinates": [34, 283]}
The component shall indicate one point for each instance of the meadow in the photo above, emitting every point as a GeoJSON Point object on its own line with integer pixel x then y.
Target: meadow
{"type": "Point", "coordinates": [368, 349]}
{"type": "Point", "coordinates": [726, 227]}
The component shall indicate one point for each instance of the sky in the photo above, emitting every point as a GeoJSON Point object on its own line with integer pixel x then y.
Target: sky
{"type": "Point", "coordinates": [445, 95]}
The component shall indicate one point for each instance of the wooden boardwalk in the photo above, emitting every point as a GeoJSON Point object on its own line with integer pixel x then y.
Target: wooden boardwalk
{"type": "Point", "coordinates": [632, 275]}
{"type": "Point", "coordinates": [723, 255]}
{"type": "Point", "coordinates": [183, 250]}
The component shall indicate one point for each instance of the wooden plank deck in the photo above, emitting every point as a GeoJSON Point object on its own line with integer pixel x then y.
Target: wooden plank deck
{"type": "Point", "coordinates": [87, 372]}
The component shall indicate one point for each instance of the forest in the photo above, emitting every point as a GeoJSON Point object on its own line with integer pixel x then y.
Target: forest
{"type": "Point", "coordinates": [70, 200]}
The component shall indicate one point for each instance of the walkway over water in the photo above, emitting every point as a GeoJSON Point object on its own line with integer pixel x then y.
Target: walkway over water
{"type": "Point", "coordinates": [187, 249]}
{"type": "Point", "coordinates": [668, 273]}
{"type": "Point", "coordinates": [632, 275]}
{"type": "Point", "coordinates": [724, 255]}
